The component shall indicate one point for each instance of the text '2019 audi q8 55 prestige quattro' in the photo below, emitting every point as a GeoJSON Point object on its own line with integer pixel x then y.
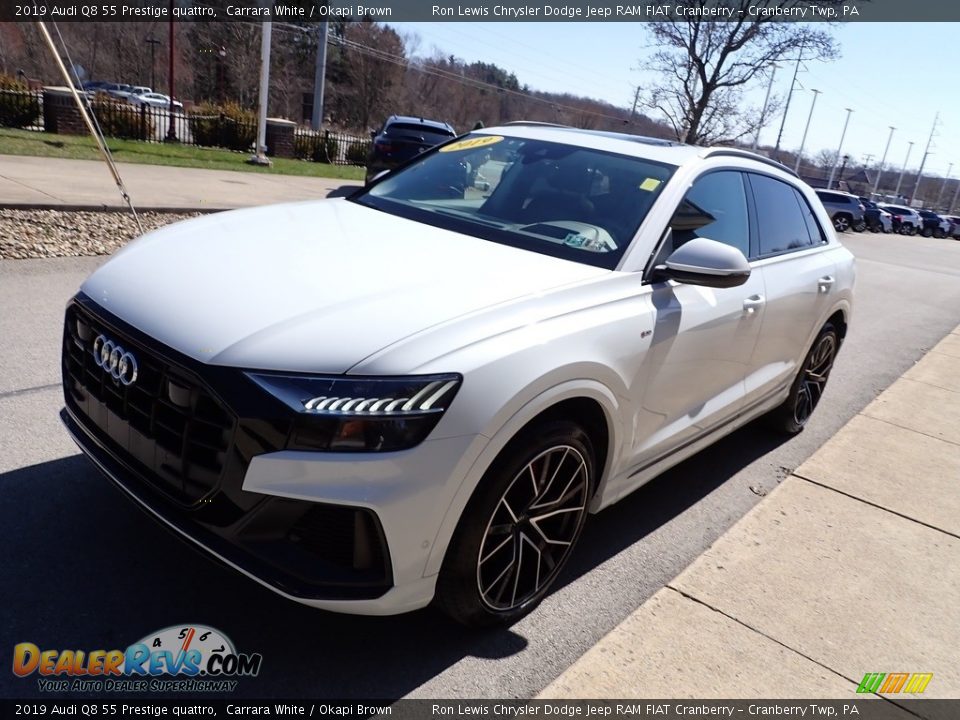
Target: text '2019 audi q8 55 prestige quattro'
{"type": "Point", "coordinates": [418, 393]}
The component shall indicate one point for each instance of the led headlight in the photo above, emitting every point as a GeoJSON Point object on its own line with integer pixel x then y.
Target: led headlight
{"type": "Point", "coordinates": [360, 414]}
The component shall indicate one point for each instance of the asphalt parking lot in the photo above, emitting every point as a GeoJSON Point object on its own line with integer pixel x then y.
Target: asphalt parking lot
{"type": "Point", "coordinates": [83, 568]}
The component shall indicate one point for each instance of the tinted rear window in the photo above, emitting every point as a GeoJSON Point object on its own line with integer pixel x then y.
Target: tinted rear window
{"type": "Point", "coordinates": [427, 133]}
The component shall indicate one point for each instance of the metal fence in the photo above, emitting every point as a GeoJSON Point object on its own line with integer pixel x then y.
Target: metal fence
{"type": "Point", "coordinates": [21, 109]}
{"type": "Point", "coordinates": [336, 148]}
{"type": "Point", "coordinates": [121, 119]}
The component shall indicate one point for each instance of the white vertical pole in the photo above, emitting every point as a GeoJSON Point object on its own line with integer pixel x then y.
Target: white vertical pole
{"type": "Point", "coordinates": [876, 183]}
{"type": "Point", "coordinates": [260, 157]}
{"type": "Point", "coordinates": [833, 170]}
{"type": "Point", "coordinates": [803, 141]}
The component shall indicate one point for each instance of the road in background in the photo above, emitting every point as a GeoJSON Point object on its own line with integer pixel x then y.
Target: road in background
{"type": "Point", "coordinates": [83, 568]}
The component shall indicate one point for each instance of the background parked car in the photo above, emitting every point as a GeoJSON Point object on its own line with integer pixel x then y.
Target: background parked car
{"type": "Point", "coordinates": [933, 224]}
{"type": "Point", "coordinates": [401, 138]}
{"type": "Point", "coordinates": [121, 91]}
{"type": "Point", "coordinates": [844, 209]}
{"type": "Point", "coordinates": [154, 100]}
{"type": "Point", "coordinates": [954, 225]}
{"type": "Point", "coordinates": [906, 221]}
{"type": "Point", "coordinates": [877, 219]}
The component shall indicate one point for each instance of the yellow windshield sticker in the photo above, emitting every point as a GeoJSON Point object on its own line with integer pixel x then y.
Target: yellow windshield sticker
{"type": "Point", "coordinates": [471, 143]}
{"type": "Point", "coordinates": [650, 184]}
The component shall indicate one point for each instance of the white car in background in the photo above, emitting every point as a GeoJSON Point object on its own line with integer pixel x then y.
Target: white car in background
{"type": "Point", "coordinates": [421, 391]}
{"type": "Point", "coordinates": [154, 100]}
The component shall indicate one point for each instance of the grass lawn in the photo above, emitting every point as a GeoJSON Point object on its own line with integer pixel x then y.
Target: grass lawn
{"type": "Point", "coordinates": [82, 147]}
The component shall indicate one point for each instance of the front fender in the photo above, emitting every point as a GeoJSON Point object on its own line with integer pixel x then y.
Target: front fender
{"type": "Point", "coordinates": [500, 436]}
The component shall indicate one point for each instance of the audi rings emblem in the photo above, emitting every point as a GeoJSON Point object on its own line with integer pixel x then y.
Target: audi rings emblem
{"type": "Point", "coordinates": [120, 363]}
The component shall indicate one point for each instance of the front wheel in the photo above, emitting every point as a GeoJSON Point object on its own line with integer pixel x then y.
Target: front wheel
{"type": "Point", "coordinates": [519, 528]}
{"type": "Point", "coordinates": [860, 226]}
{"type": "Point", "coordinates": [807, 389]}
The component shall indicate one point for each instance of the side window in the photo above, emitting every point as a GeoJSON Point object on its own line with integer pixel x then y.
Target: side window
{"type": "Point", "coordinates": [714, 207]}
{"type": "Point", "coordinates": [781, 225]}
{"type": "Point", "coordinates": [813, 227]}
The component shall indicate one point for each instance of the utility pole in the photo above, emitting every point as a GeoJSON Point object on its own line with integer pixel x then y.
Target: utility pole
{"type": "Point", "coordinates": [153, 42]}
{"type": "Point", "coordinates": [839, 148]}
{"type": "Point", "coordinates": [319, 76]}
{"type": "Point", "coordinates": [876, 183]}
{"type": "Point", "coordinates": [266, 30]}
{"type": "Point", "coordinates": [926, 152]}
{"type": "Point", "coordinates": [786, 109]}
{"type": "Point", "coordinates": [903, 169]}
{"type": "Point", "coordinates": [803, 141]}
{"type": "Point", "coordinates": [866, 159]}
{"type": "Point", "coordinates": [953, 202]}
{"type": "Point", "coordinates": [943, 187]}
{"type": "Point", "coordinates": [763, 112]}
{"type": "Point", "coordinates": [171, 127]}
{"type": "Point", "coordinates": [636, 99]}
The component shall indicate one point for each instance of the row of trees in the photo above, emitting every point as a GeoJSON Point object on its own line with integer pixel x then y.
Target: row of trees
{"type": "Point", "coordinates": [372, 72]}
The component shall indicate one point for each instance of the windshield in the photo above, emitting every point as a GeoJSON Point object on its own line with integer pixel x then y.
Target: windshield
{"type": "Point", "coordinates": [562, 200]}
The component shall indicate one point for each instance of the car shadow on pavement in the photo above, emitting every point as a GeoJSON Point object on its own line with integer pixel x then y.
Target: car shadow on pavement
{"type": "Point", "coordinates": [83, 568]}
{"type": "Point", "coordinates": [667, 496]}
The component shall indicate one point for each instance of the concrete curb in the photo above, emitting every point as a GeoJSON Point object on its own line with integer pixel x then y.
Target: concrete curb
{"type": "Point", "coordinates": [68, 207]}
{"type": "Point", "coordinates": [850, 566]}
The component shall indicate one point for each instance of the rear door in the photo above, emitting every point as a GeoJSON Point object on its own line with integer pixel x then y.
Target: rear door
{"type": "Point", "coordinates": [799, 278]}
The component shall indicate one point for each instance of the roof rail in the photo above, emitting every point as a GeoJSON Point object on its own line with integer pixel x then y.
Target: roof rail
{"type": "Point", "coordinates": [737, 152]}
{"type": "Point", "coordinates": [534, 123]}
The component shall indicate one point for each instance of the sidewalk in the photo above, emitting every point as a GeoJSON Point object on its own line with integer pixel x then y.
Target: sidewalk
{"type": "Point", "coordinates": [74, 184]}
{"type": "Point", "coordinates": [852, 565]}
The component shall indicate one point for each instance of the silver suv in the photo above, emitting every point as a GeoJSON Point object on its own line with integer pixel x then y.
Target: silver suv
{"type": "Point", "coordinates": [422, 391]}
{"type": "Point", "coordinates": [845, 210]}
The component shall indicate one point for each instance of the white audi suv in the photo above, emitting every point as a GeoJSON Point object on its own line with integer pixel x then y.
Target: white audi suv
{"type": "Point", "coordinates": [418, 393]}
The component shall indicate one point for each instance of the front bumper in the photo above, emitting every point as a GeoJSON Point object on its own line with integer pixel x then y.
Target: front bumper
{"type": "Point", "coordinates": [345, 533]}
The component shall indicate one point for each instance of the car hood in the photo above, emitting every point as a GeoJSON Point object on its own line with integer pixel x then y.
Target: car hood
{"type": "Point", "coordinates": [310, 287]}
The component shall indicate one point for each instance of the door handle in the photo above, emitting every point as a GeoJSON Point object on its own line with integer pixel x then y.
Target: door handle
{"type": "Point", "coordinates": [825, 283]}
{"type": "Point", "coordinates": [752, 304]}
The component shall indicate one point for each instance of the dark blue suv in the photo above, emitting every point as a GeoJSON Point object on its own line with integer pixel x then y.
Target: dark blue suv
{"type": "Point", "coordinates": [401, 138]}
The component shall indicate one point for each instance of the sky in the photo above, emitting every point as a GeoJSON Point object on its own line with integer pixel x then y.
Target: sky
{"type": "Point", "coordinates": [896, 74]}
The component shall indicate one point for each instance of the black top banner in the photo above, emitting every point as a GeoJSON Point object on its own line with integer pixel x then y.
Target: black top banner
{"type": "Point", "coordinates": [873, 708]}
{"type": "Point", "coordinates": [312, 11]}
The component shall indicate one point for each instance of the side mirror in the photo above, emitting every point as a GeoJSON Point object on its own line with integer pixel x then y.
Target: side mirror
{"type": "Point", "coordinates": [705, 262]}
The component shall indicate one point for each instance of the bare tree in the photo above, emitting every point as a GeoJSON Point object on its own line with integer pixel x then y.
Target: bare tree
{"type": "Point", "coordinates": [704, 65]}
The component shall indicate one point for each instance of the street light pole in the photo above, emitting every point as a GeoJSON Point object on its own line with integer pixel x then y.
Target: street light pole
{"type": "Point", "coordinates": [903, 169]}
{"type": "Point", "coordinates": [171, 126]}
{"type": "Point", "coordinates": [803, 141]}
{"type": "Point", "coordinates": [153, 42]}
{"type": "Point", "coordinates": [839, 148]}
{"type": "Point", "coordinates": [876, 183]}
{"type": "Point", "coordinates": [260, 155]}
{"type": "Point", "coordinates": [923, 161]}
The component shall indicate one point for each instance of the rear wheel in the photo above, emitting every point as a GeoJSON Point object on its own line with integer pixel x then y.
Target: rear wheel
{"type": "Point", "coordinates": [927, 232]}
{"type": "Point", "coordinates": [842, 222]}
{"type": "Point", "coordinates": [860, 226]}
{"type": "Point", "coordinates": [807, 389]}
{"type": "Point", "coordinates": [519, 528]}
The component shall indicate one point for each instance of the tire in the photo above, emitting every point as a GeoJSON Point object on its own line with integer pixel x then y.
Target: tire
{"type": "Point", "coordinates": [860, 226]}
{"type": "Point", "coordinates": [927, 232]}
{"type": "Point", "coordinates": [842, 222]}
{"type": "Point", "coordinates": [807, 389]}
{"type": "Point", "coordinates": [483, 580]}
{"type": "Point", "coordinates": [914, 230]}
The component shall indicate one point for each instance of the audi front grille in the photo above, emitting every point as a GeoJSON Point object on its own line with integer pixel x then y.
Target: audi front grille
{"type": "Point", "coordinates": [166, 420]}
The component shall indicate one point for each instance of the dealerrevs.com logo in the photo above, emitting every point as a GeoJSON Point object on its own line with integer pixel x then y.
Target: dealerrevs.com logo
{"type": "Point", "coordinates": [187, 658]}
